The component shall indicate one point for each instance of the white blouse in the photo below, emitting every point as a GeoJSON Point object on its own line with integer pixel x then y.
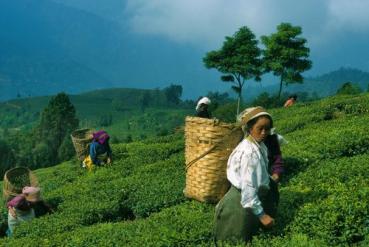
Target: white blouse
{"type": "Point", "coordinates": [247, 170]}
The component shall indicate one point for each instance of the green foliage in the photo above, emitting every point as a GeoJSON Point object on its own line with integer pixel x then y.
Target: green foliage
{"type": "Point", "coordinates": [285, 54]}
{"type": "Point", "coordinates": [58, 120]}
{"type": "Point", "coordinates": [7, 158]}
{"type": "Point", "coordinates": [173, 94]}
{"type": "Point", "coordinates": [41, 155]}
{"type": "Point", "coordinates": [335, 201]}
{"type": "Point", "coordinates": [66, 149]}
{"type": "Point", "coordinates": [106, 120]}
{"type": "Point", "coordinates": [226, 113]}
{"type": "Point", "coordinates": [349, 88]}
{"type": "Point", "coordinates": [139, 199]}
{"type": "Point", "coordinates": [218, 99]}
{"type": "Point", "coordinates": [238, 59]}
{"type": "Point", "coordinates": [267, 101]}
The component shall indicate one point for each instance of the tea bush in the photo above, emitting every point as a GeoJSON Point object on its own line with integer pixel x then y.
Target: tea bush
{"type": "Point", "coordinates": [138, 201]}
{"type": "Point", "coordinates": [186, 224]}
{"type": "Point", "coordinates": [335, 206]}
{"type": "Point", "coordinates": [304, 114]}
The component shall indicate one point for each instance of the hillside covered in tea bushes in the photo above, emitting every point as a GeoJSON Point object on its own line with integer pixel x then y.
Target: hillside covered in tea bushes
{"type": "Point", "coordinates": [138, 201]}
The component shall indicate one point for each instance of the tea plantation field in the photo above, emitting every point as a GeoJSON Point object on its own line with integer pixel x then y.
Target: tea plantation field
{"type": "Point", "coordinates": [138, 201]}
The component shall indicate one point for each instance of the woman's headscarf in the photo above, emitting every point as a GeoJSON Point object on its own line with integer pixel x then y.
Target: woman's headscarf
{"type": "Point", "coordinates": [203, 100]}
{"type": "Point", "coordinates": [251, 113]}
{"type": "Point", "coordinates": [101, 136]}
{"type": "Point", "coordinates": [32, 194]}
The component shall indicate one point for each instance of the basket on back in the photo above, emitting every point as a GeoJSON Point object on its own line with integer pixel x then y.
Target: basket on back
{"type": "Point", "coordinates": [81, 139]}
{"type": "Point", "coordinates": [209, 143]}
{"type": "Point", "coordinates": [17, 178]}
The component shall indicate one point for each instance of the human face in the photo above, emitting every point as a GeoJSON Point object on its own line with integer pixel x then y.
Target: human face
{"type": "Point", "coordinates": [261, 129]}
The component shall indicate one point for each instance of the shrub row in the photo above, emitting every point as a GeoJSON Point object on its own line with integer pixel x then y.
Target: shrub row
{"type": "Point", "coordinates": [302, 115]}
{"type": "Point", "coordinates": [132, 187]}
{"type": "Point", "coordinates": [187, 224]}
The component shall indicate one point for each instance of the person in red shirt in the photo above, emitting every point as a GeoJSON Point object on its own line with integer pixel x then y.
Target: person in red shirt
{"type": "Point", "coordinates": [291, 101]}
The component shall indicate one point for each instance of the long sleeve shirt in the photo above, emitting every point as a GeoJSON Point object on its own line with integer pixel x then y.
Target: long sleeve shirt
{"type": "Point", "coordinates": [19, 202]}
{"type": "Point", "coordinates": [247, 170]}
{"type": "Point", "coordinates": [274, 155]}
{"type": "Point", "coordinates": [97, 149]}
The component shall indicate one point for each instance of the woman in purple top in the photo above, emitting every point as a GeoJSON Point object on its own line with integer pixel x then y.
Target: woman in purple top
{"type": "Point", "coordinates": [100, 151]}
{"type": "Point", "coordinates": [275, 170]}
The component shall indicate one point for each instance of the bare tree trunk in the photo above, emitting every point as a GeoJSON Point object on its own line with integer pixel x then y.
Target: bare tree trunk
{"type": "Point", "coordinates": [239, 103]}
{"type": "Point", "coordinates": [280, 87]}
{"type": "Point", "coordinates": [238, 106]}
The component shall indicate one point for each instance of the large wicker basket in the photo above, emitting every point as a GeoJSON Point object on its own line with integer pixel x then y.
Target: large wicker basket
{"type": "Point", "coordinates": [209, 143]}
{"type": "Point", "coordinates": [81, 139]}
{"type": "Point", "coordinates": [17, 178]}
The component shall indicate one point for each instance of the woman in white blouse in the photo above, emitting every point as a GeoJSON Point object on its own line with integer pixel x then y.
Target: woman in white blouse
{"type": "Point", "coordinates": [241, 211]}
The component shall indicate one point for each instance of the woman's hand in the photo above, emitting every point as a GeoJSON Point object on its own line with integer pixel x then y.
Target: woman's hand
{"type": "Point", "coordinates": [12, 212]}
{"type": "Point", "coordinates": [108, 161]}
{"type": "Point", "coordinates": [275, 177]}
{"type": "Point", "coordinates": [266, 220]}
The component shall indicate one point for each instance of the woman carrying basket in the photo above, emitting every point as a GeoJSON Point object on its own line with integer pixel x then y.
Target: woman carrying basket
{"type": "Point", "coordinates": [25, 207]}
{"type": "Point", "coordinates": [246, 206]}
{"type": "Point", "coordinates": [100, 151]}
{"type": "Point", "coordinates": [202, 108]}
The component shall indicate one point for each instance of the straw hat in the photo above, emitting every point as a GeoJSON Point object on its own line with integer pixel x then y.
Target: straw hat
{"type": "Point", "coordinates": [250, 113]}
{"type": "Point", "coordinates": [32, 194]}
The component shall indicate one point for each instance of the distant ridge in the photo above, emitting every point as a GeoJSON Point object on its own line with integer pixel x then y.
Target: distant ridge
{"type": "Point", "coordinates": [329, 83]}
{"type": "Point", "coordinates": [321, 85]}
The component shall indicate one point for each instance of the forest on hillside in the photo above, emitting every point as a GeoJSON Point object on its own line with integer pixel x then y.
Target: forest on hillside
{"type": "Point", "coordinates": [30, 136]}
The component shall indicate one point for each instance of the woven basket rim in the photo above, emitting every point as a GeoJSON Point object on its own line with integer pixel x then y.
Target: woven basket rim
{"type": "Point", "coordinates": [18, 168]}
{"type": "Point", "coordinates": [82, 134]}
{"type": "Point", "coordinates": [210, 122]}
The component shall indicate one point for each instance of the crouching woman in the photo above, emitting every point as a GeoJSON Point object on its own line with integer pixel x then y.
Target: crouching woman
{"type": "Point", "coordinates": [240, 213]}
{"type": "Point", "coordinates": [100, 151]}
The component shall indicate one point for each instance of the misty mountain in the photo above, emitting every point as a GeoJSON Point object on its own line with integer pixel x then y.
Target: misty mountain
{"type": "Point", "coordinates": [322, 85]}
{"type": "Point", "coordinates": [329, 83]}
{"type": "Point", "coordinates": [47, 47]}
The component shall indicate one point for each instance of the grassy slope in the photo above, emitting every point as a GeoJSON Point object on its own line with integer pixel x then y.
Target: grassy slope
{"type": "Point", "coordinates": [138, 201]}
{"type": "Point", "coordinates": [92, 106]}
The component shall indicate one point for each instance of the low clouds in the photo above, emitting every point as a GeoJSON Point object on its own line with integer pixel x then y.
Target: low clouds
{"type": "Point", "coordinates": [206, 22]}
{"type": "Point", "coordinates": [348, 15]}
{"type": "Point", "coordinates": [333, 28]}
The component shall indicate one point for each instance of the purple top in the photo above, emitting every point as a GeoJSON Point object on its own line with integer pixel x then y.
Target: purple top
{"type": "Point", "coordinates": [274, 155]}
{"type": "Point", "coordinates": [19, 202]}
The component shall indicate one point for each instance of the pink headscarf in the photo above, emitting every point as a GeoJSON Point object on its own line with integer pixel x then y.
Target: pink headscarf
{"type": "Point", "coordinates": [31, 193]}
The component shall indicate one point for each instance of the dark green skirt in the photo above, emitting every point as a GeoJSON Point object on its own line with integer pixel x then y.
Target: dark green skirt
{"type": "Point", "coordinates": [237, 224]}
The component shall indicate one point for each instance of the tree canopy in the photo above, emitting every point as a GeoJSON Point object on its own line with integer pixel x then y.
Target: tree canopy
{"type": "Point", "coordinates": [58, 120]}
{"type": "Point", "coordinates": [349, 88]}
{"type": "Point", "coordinates": [238, 59]}
{"type": "Point", "coordinates": [173, 93]}
{"type": "Point", "coordinates": [286, 55]}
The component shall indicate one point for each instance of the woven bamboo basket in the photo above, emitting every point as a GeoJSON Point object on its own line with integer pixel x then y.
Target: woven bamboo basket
{"type": "Point", "coordinates": [81, 139]}
{"type": "Point", "coordinates": [209, 143]}
{"type": "Point", "coordinates": [17, 178]}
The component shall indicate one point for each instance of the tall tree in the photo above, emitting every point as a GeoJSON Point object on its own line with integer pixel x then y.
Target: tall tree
{"type": "Point", "coordinates": [238, 60]}
{"type": "Point", "coordinates": [286, 55]}
{"type": "Point", "coordinates": [173, 93]}
{"type": "Point", "coordinates": [58, 120]}
{"type": "Point", "coordinates": [7, 158]}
